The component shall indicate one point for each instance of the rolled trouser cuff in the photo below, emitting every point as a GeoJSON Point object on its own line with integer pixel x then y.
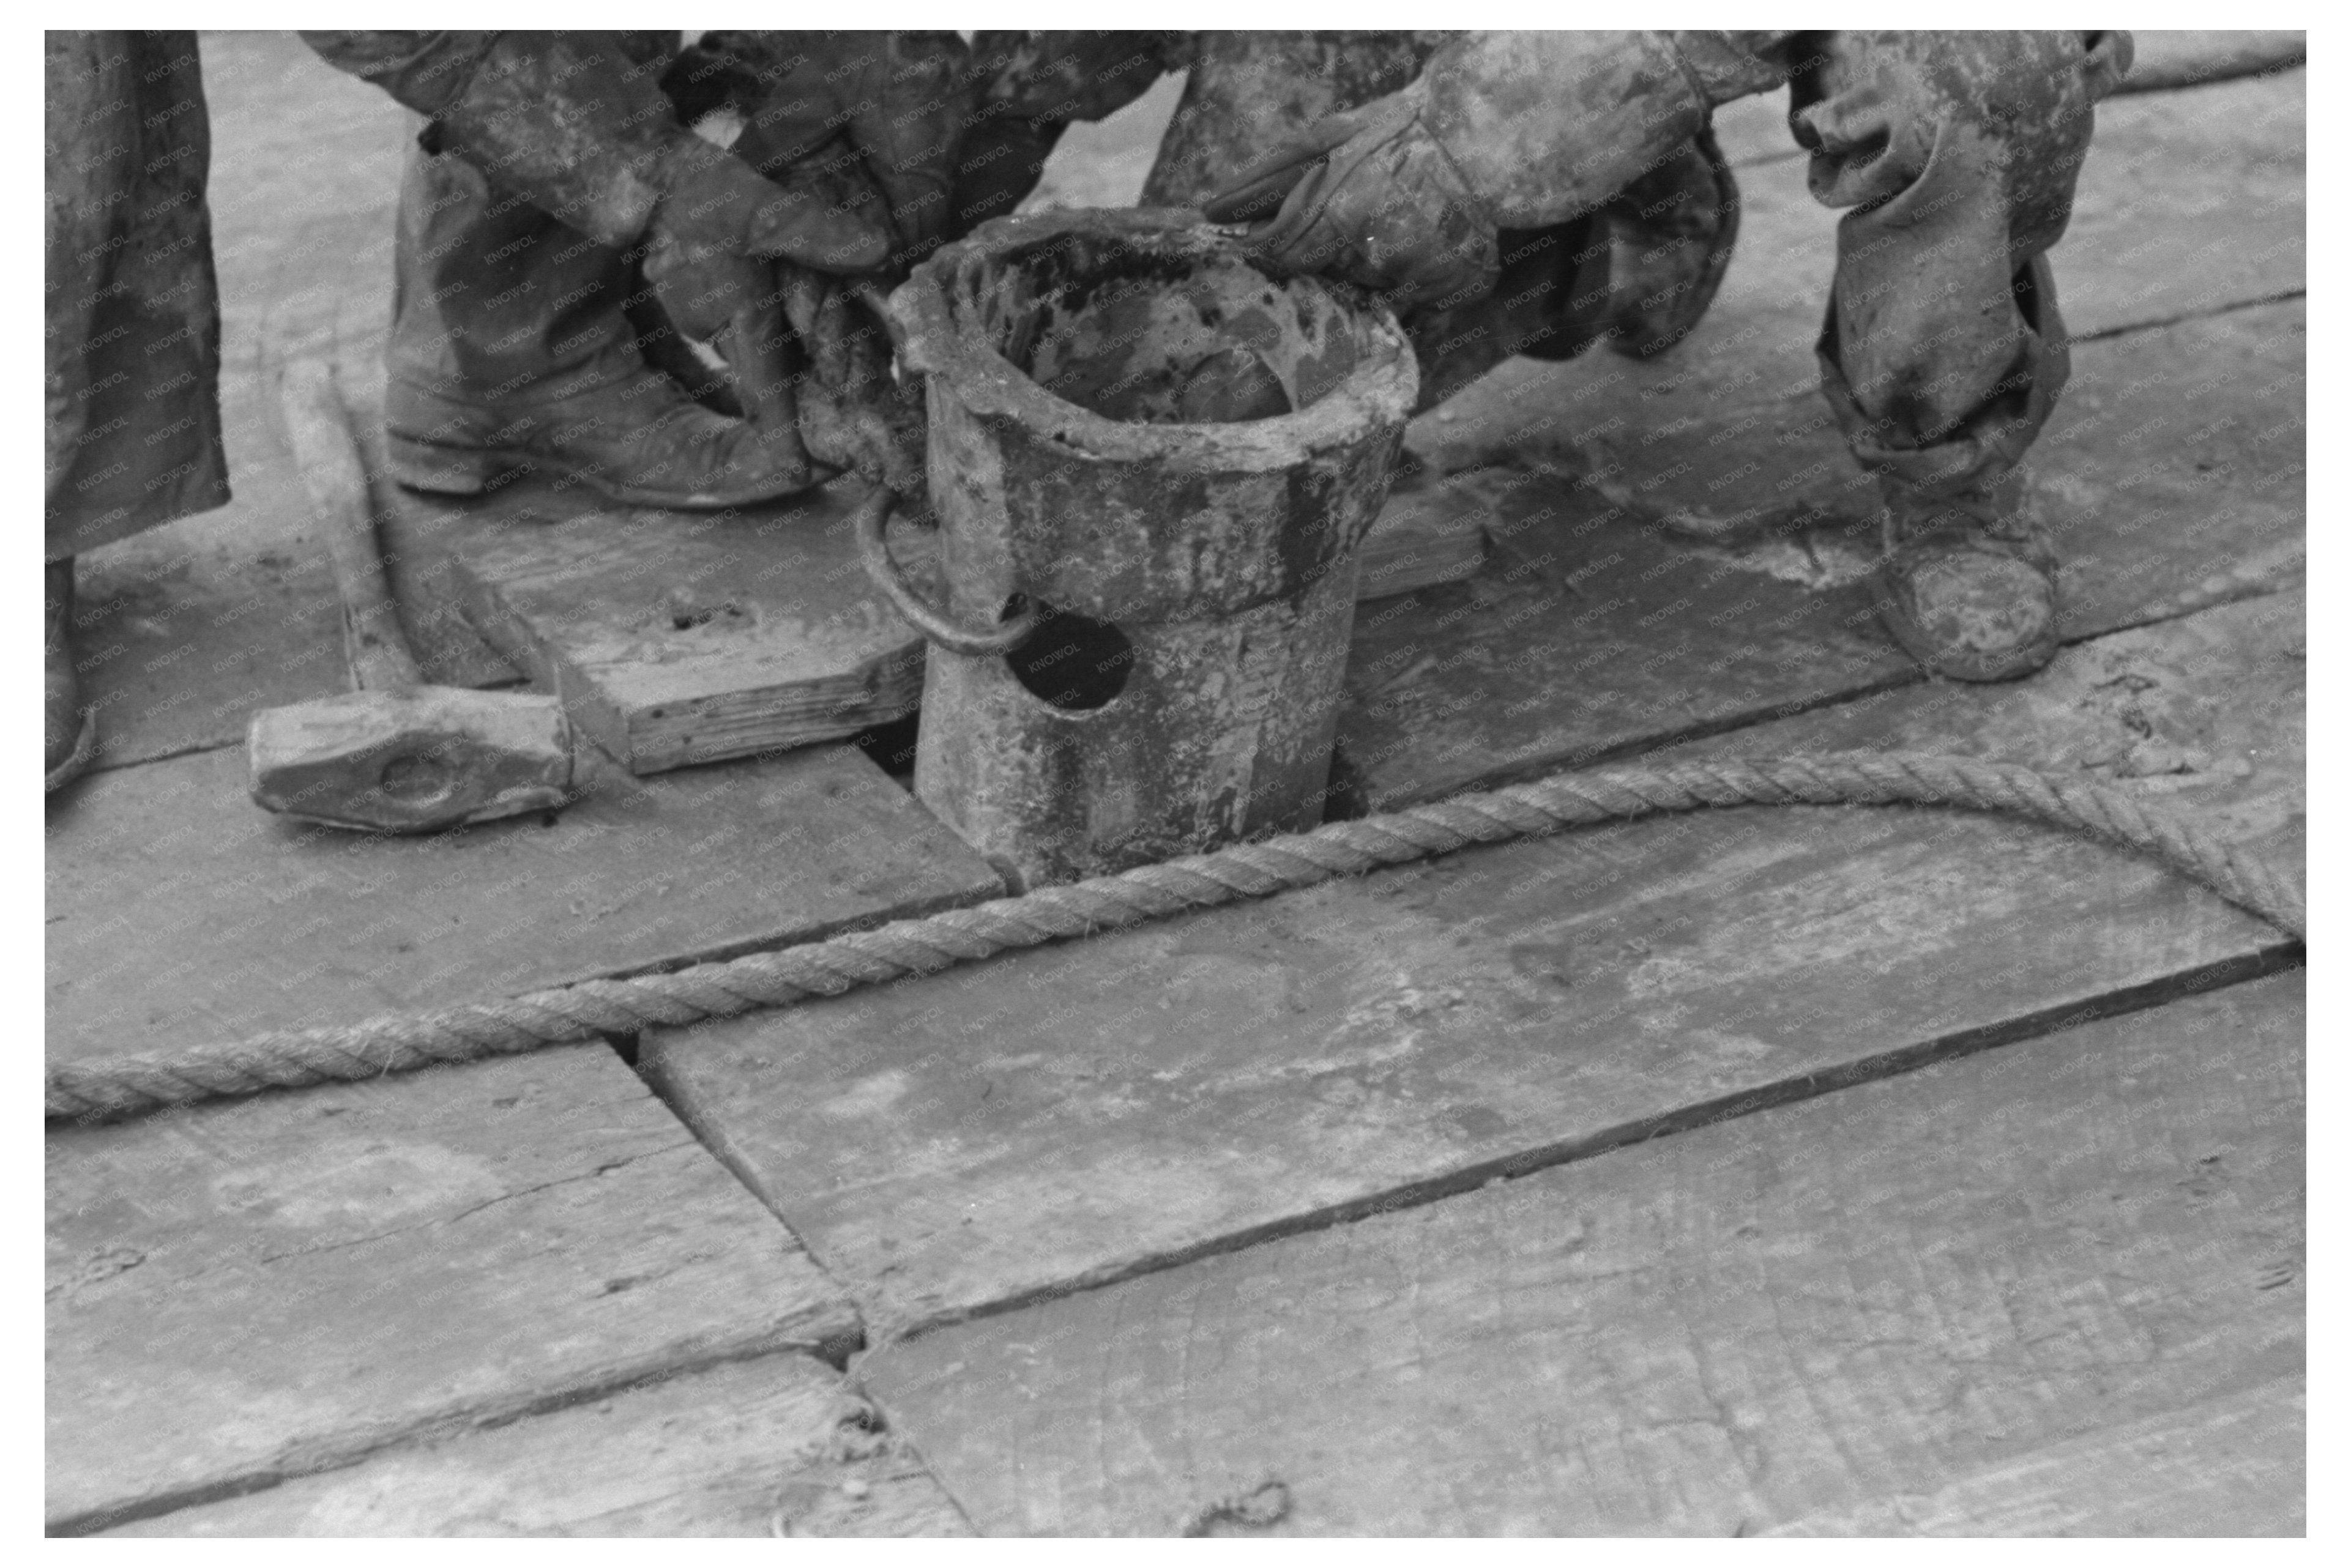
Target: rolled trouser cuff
{"type": "Point", "coordinates": [1989, 442]}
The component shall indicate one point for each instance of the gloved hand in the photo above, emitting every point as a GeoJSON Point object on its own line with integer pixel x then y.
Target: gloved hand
{"type": "Point", "coordinates": [886, 111]}
{"type": "Point", "coordinates": [1384, 207]}
{"type": "Point", "coordinates": [854, 413]}
{"type": "Point", "coordinates": [717, 225]}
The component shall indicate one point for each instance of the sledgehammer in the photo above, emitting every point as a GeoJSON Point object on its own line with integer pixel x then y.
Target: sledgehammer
{"type": "Point", "coordinates": [396, 756]}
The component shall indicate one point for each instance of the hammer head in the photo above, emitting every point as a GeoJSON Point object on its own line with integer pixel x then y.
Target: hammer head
{"type": "Point", "coordinates": [412, 761]}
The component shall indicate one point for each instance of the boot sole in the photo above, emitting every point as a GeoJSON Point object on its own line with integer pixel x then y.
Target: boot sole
{"type": "Point", "coordinates": [479, 470]}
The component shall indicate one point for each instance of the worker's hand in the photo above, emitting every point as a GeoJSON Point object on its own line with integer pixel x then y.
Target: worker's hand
{"type": "Point", "coordinates": [855, 413]}
{"type": "Point", "coordinates": [1369, 196]}
{"type": "Point", "coordinates": [713, 203]}
{"type": "Point", "coordinates": [720, 228]}
{"type": "Point", "coordinates": [705, 289]}
{"type": "Point", "coordinates": [887, 109]}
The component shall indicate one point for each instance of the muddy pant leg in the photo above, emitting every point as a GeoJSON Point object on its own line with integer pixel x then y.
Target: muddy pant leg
{"type": "Point", "coordinates": [1248, 92]}
{"type": "Point", "coordinates": [1943, 352]}
{"type": "Point", "coordinates": [493, 299]}
{"type": "Point", "coordinates": [132, 326]}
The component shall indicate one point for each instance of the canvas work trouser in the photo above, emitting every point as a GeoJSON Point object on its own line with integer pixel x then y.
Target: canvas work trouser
{"type": "Point", "coordinates": [1953, 156]}
{"type": "Point", "coordinates": [131, 316]}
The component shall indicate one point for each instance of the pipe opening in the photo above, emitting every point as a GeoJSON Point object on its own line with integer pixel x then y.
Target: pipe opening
{"type": "Point", "coordinates": [1074, 662]}
{"type": "Point", "coordinates": [1152, 335]}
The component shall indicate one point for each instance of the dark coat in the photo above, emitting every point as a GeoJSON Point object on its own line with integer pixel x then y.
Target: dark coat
{"type": "Point", "coordinates": [132, 404]}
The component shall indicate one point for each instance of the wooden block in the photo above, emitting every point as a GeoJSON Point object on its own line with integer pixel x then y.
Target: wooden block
{"type": "Point", "coordinates": [1069, 1116]}
{"type": "Point", "coordinates": [678, 637]}
{"type": "Point", "coordinates": [180, 913]}
{"type": "Point", "coordinates": [263, 1288]}
{"type": "Point", "coordinates": [1956, 1286]}
{"type": "Point", "coordinates": [2171, 476]}
{"type": "Point", "coordinates": [745, 1449]}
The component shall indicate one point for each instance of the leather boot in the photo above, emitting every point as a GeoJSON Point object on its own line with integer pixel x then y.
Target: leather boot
{"type": "Point", "coordinates": [69, 732]}
{"type": "Point", "coordinates": [1968, 582]}
{"type": "Point", "coordinates": [510, 354]}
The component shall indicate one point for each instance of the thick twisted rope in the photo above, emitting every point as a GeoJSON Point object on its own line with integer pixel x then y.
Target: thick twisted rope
{"type": "Point", "coordinates": [292, 1059]}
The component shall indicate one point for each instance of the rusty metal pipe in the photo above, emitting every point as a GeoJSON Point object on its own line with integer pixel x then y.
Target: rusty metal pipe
{"type": "Point", "coordinates": [1170, 456]}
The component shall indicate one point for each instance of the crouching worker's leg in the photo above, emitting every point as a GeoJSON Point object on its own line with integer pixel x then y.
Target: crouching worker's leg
{"type": "Point", "coordinates": [1943, 352]}
{"type": "Point", "coordinates": [131, 407]}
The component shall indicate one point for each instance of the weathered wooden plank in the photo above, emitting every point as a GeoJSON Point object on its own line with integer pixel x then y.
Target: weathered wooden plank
{"type": "Point", "coordinates": [2206, 715]}
{"type": "Point", "coordinates": [1072, 1115]}
{"type": "Point", "coordinates": [1809, 1315]}
{"type": "Point", "coordinates": [677, 638]}
{"type": "Point", "coordinates": [258, 1289]}
{"type": "Point", "coordinates": [2231, 1466]}
{"type": "Point", "coordinates": [179, 911]}
{"type": "Point", "coordinates": [2171, 474]}
{"type": "Point", "coordinates": [750, 1448]}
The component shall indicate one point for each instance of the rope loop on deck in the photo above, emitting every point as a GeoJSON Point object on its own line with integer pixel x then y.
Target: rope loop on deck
{"type": "Point", "coordinates": [126, 1085]}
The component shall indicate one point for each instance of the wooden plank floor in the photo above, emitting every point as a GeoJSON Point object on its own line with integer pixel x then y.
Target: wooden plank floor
{"type": "Point", "coordinates": [181, 912]}
{"type": "Point", "coordinates": [775, 1445]}
{"type": "Point", "coordinates": [1755, 1172]}
{"type": "Point", "coordinates": [269, 1287]}
{"type": "Point", "coordinates": [1068, 1116]}
{"type": "Point", "coordinates": [1959, 1300]}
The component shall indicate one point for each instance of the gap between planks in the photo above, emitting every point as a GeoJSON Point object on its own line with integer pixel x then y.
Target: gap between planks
{"type": "Point", "coordinates": [2282, 959]}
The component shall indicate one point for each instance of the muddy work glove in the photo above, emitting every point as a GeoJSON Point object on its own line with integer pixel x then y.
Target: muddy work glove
{"type": "Point", "coordinates": [854, 412]}
{"type": "Point", "coordinates": [577, 124]}
{"type": "Point", "coordinates": [715, 230]}
{"type": "Point", "coordinates": [1371, 197]}
{"type": "Point", "coordinates": [879, 113]}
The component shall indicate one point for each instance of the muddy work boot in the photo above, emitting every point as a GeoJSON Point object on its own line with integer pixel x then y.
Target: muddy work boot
{"type": "Point", "coordinates": [1969, 584]}
{"type": "Point", "coordinates": [510, 354]}
{"type": "Point", "coordinates": [638, 438]}
{"type": "Point", "coordinates": [69, 731]}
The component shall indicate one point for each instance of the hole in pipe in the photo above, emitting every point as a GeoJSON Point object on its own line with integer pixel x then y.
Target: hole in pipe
{"type": "Point", "coordinates": [1072, 661]}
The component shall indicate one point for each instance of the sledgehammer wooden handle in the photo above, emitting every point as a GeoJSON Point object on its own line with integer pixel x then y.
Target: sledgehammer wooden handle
{"type": "Point", "coordinates": [396, 756]}
{"type": "Point", "coordinates": [319, 432]}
